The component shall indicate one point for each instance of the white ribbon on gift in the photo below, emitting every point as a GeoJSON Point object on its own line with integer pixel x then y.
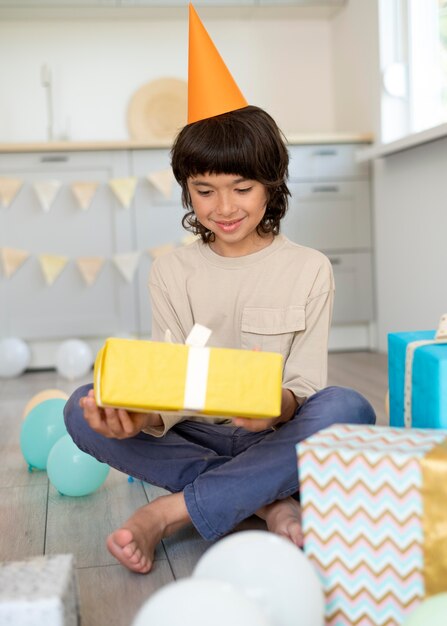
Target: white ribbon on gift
{"type": "Point", "coordinates": [196, 368]}
{"type": "Point", "coordinates": [440, 337]}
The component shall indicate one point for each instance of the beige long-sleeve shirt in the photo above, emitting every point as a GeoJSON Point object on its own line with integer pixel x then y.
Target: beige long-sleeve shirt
{"type": "Point", "coordinates": [278, 299]}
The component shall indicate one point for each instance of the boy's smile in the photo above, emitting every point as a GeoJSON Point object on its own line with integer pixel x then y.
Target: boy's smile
{"type": "Point", "coordinates": [231, 207]}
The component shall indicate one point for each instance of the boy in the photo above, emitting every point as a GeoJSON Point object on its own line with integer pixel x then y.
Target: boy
{"type": "Point", "coordinates": [256, 290]}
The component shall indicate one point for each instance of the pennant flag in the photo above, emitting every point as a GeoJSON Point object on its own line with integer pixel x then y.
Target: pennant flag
{"type": "Point", "coordinates": [162, 181]}
{"type": "Point", "coordinates": [89, 266]}
{"type": "Point", "coordinates": [52, 266]}
{"type": "Point", "coordinates": [84, 193]}
{"type": "Point", "coordinates": [127, 264]}
{"type": "Point", "coordinates": [187, 239]}
{"type": "Point", "coordinates": [12, 259]}
{"type": "Point", "coordinates": [160, 250]}
{"type": "Point", "coordinates": [9, 188]}
{"type": "Point", "coordinates": [124, 189]}
{"type": "Point", "coordinates": [46, 191]}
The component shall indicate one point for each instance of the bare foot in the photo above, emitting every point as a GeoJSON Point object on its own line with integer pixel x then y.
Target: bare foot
{"type": "Point", "coordinates": [133, 545]}
{"type": "Point", "coordinates": [283, 517]}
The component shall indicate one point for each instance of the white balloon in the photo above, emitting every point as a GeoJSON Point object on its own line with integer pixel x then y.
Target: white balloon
{"type": "Point", "coordinates": [271, 571]}
{"type": "Point", "coordinates": [74, 359]}
{"type": "Point", "coordinates": [15, 356]}
{"type": "Point", "coordinates": [195, 602]}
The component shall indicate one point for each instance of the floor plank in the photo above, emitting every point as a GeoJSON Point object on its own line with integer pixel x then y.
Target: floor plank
{"type": "Point", "coordinates": [22, 521]}
{"type": "Point", "coordinates": [81, 525]}
{"type": "Point", "coordinates": [111, 596]}
{"type": "Point", "coordinates": [35, 519]}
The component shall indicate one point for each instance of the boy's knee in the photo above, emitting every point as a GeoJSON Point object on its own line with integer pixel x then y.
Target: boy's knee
{"type": "Point", "coordinates": [355, 408]}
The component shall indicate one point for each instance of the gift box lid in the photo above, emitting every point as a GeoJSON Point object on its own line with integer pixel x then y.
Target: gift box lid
{"type": "Point", "coordinates": [349, 440]}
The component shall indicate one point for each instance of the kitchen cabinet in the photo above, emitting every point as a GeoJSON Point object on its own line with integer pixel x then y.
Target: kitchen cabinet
{"type": "Point", "coordinates": [158, 222]}
{"type": "Point", "coordinates": [30, 308]}
{"type": "Point", "coordinates": [329, 210]}
{"type": "Point", "coordinates": [304, 3]}
{"type": "Point", "coordinates": [47, 5]}
{"type": "Point", "coordinates": [185, 3]}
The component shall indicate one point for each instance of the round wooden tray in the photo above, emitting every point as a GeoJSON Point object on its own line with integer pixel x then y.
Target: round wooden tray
{"type": "Point", "coordinates": [158, 110]}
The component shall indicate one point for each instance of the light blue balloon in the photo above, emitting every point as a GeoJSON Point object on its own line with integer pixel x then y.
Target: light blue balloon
{"type": "Point", "coordinates": [432, 612]}
{"type": "Point", "coordinates": [43, 426]}
{"type": "Point", "coordinates": [73, 472]}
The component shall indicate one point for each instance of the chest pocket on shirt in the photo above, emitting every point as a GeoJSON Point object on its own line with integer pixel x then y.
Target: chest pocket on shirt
{"type": "Point", "coordinates": [271, 330]}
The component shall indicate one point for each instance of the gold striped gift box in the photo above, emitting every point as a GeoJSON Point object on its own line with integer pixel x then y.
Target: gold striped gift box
{"type": "Point", "coordinates": [374, 503]}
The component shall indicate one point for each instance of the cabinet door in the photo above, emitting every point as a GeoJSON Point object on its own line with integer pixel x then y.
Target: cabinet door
{"type": "Point", "coordinates": [30, 308]}
{"type": "Point", "coordinates": [329, 216]}
{"type": "Point", "coordinates": [181, 3]}
{"type": "Point", "coordinates": [158, 221]}
{"type": "Point", "coordinates": [353, 288]}
{"type": "Point", "coordinates": [323, 162]}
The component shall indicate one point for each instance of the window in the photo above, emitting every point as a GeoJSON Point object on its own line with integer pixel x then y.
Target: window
{"type": "Point", "coordinates": [413, 49]}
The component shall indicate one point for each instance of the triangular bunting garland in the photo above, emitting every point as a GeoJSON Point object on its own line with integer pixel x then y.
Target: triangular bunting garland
{"type": "Point", "coordinates": [52, 266]}
{"type": "Point", "coordinates": [127, 264]}
{"type": "Point", "coordinates": [160, 250]}
{"type": "Point", "coordinates": [84, 193]}
{"type": "Point", "coordinates": [89, 266]}
{"type": "Point", "coordinates": [9, 188]}
{"type": "Point", "coordinates": [124, 189]}
{"type": "Point", "coordinates": [46, 191]}
{"type": "Point", "coordinates": [12, 259]}
{"type": "Point", "coordinates": [162, 181]}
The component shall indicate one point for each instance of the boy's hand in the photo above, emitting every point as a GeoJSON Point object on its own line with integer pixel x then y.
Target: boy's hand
{"type": "Point", "coordinates": [115, 423]}
{"type": "Point", "coordinates": [288, 408]}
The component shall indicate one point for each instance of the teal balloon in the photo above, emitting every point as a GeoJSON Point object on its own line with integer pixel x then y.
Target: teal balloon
{"type": "Point", "coordinates": [432, 612]}
{"type": "Point", "coordinates": [43, 426]}
{"type": "Point", "coordinates": [73, 472]}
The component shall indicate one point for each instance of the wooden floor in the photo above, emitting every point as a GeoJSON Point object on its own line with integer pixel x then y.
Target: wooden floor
{"type": "Point", "coordinates": [35, 519]}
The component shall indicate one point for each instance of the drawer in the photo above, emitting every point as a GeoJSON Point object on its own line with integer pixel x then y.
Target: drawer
{"type": "Point", "coordinates": [329, 216]}
{"type": "Point", "coordinates": [353, 288]}
{"type": "Point", "coordinates": [318, 162]}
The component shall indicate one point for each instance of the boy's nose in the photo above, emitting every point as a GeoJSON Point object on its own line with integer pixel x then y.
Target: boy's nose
{"type": "Point", "coordinates": [225, 207]}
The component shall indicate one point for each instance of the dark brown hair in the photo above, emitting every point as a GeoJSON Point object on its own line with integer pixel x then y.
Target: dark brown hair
{"type": "Point", "coordinates": [247, 143]}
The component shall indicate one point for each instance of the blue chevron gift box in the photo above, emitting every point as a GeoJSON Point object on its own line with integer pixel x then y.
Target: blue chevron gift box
{"type": "Point", "coordinates": [374, 507]}
{"type": "Point", "coordinates": [417, 377]}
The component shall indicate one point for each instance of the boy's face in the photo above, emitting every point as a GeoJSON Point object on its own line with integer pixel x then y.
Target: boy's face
{"type": "Point", "coordinates": [231, 207]}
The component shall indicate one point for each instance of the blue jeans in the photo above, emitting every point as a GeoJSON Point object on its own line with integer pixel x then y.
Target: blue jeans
{"type": "Point", "coordinates": [226, 473]}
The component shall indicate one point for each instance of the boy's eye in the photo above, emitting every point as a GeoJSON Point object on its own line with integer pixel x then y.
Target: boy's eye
{"type": "Point", "coordinates": [244, 189]}
{"type": "Point", "coordinates": [203, 192]}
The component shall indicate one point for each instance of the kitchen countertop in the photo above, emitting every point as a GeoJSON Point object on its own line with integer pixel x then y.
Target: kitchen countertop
{"type": "Point", "coordinates": [128, 144]}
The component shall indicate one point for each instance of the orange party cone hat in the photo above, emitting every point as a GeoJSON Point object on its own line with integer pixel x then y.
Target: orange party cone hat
{"type": "Point", "coordinates": [211, 88]}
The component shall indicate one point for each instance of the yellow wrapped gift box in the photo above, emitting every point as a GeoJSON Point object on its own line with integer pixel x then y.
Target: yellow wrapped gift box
{"type": "Point", "coordinates": [143, 375]}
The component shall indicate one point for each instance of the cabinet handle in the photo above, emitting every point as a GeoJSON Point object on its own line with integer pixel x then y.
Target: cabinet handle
{"type": "Point", "coordinates": [326, 189]}
{"type": "Point", "coordinates": [54, 158]}
{"type": "Point", "coordinates": [335, 260]}
{"type": "Point", "coordinates": [325, 152]}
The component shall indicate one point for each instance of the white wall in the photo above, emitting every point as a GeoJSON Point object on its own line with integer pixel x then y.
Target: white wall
{"type": "Point", "coordinates": [356, 67]}
{"type": "Point", "coordinates": [282, 65]}
{"type": "Point", "coordinates": [410, 233]}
